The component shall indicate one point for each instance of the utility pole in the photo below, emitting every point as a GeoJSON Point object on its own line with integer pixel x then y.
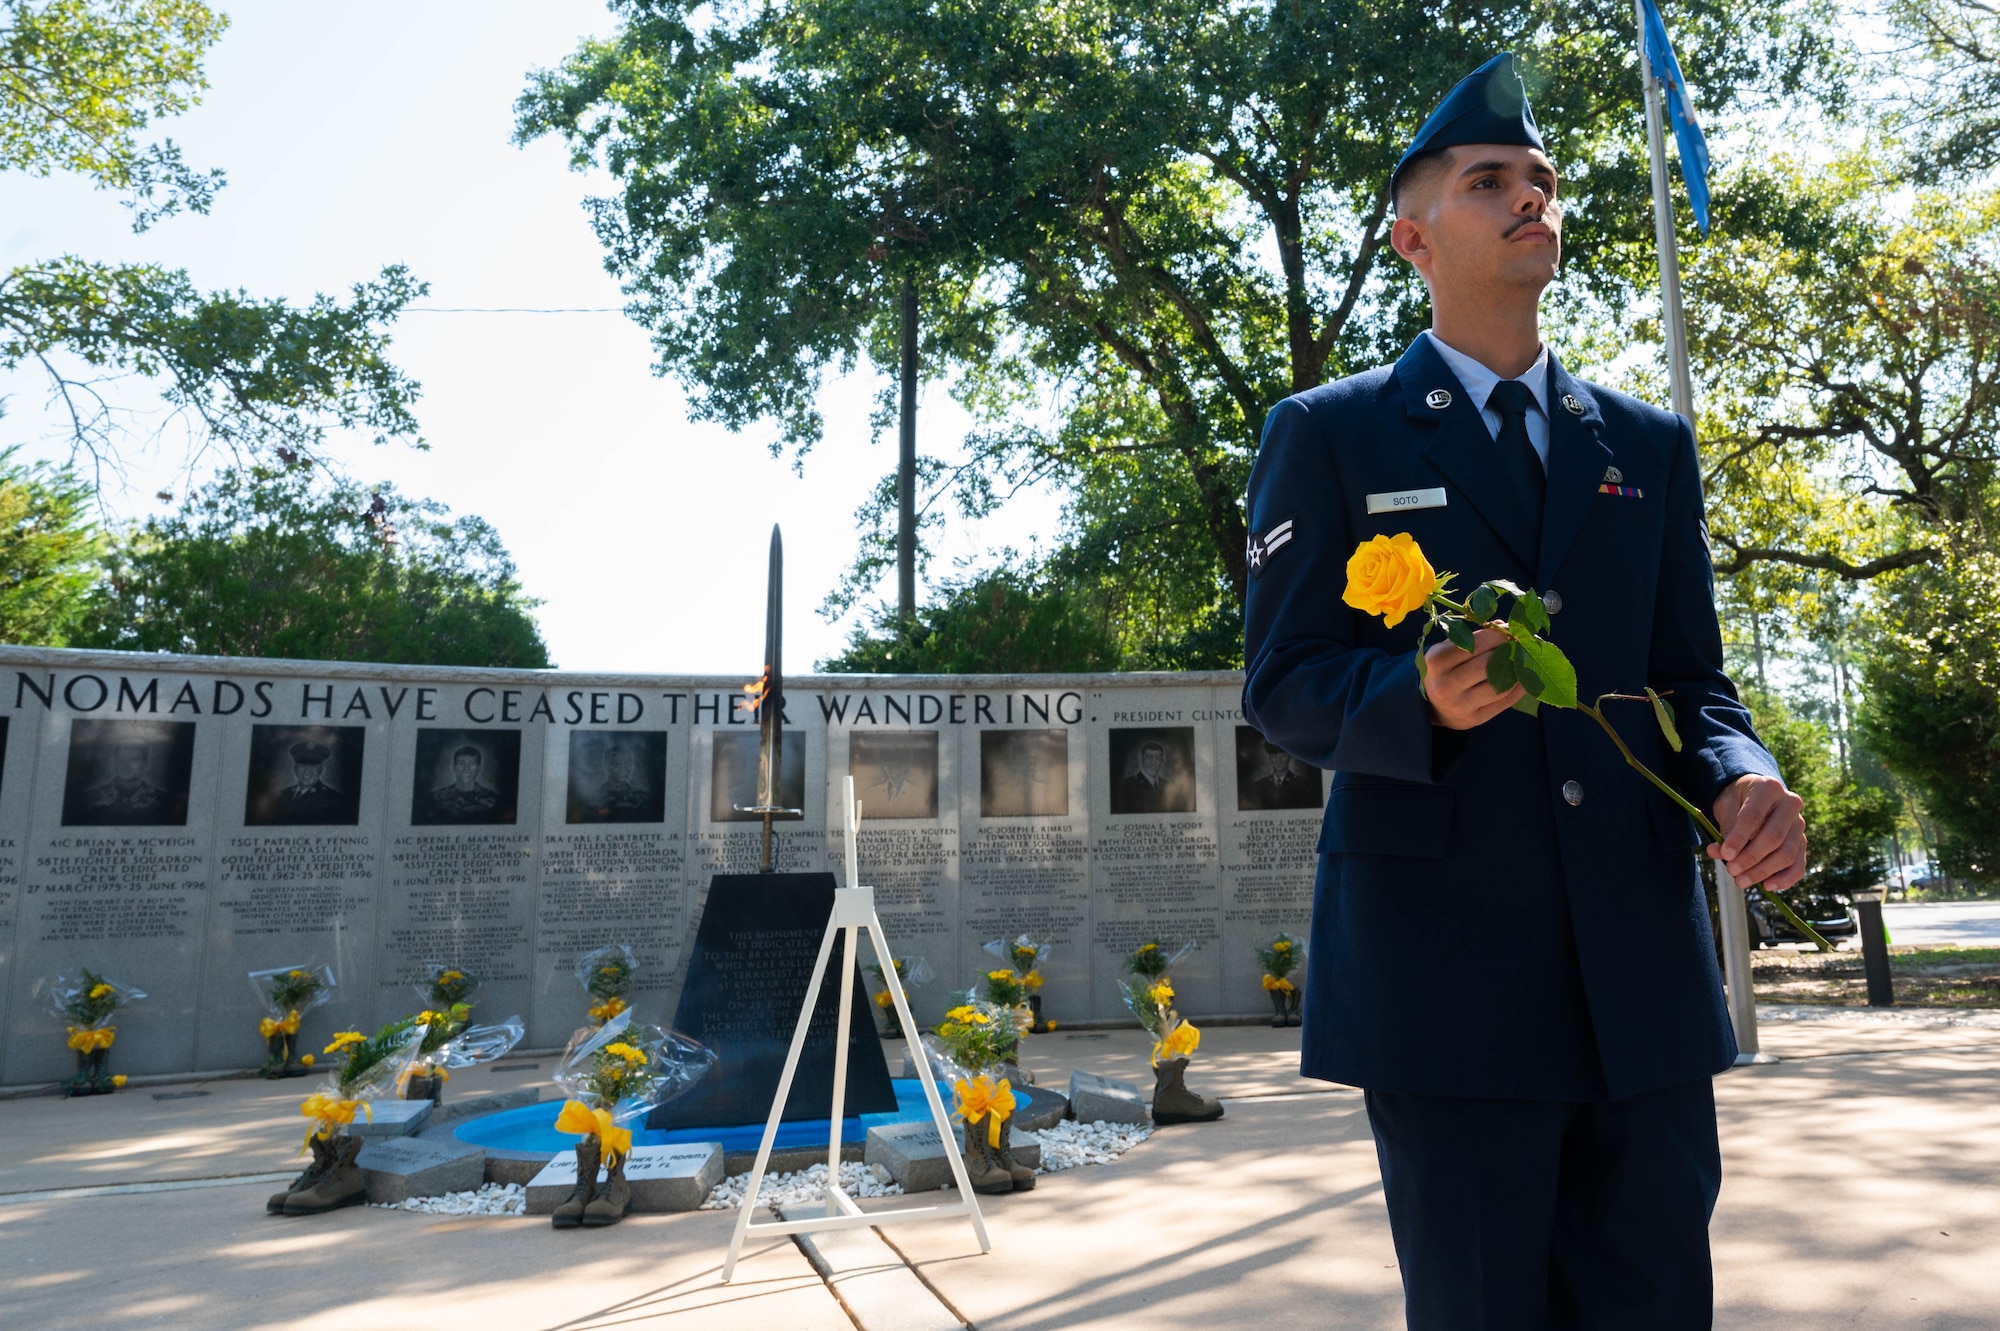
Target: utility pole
{"type": "Point", "coordinates": [906, 466]}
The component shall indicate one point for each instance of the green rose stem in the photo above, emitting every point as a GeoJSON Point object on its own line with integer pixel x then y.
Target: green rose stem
{"type": "Point", "coordinates": [1521, 633]}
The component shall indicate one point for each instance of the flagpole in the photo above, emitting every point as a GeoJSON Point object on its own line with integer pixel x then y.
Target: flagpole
{"type": "Point", "coordinates": [1663, 227]}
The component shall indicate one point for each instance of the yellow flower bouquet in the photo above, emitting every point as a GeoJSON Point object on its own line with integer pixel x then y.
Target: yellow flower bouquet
{"type": "Point", "coordinates": [1027, 957]}
{"type": "Point", "coordinates": [911, 972]}
{"type": "Point", "coordinates": [606, 976]}
{"type": "Point", "coordinates": [288, 993]}
{"type": "Point", "coordinates": [1389, 576]}
{"type": "Point", "coordinates": [86, 1004]}
{"type": "Point", "coordinates": [1281, 957]}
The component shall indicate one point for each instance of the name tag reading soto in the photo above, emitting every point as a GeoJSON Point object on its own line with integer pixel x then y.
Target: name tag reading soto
{"type": "Point", "coordinates": [1402, 501]}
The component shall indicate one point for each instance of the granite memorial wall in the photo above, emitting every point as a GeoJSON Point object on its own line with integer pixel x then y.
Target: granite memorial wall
{"type": "Point", "coordinates": [178, 822]}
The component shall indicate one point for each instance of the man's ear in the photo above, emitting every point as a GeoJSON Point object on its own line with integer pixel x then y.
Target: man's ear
{"type": "Point", "coordinates": [1407, 238]}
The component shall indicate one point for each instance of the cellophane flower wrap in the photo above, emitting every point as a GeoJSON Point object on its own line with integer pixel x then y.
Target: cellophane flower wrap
{"type": "Point", "coordinates": [912, 971]}
{"type": "Point", "coordinates": [365, 1068]}
{"type": "Point", "coordinates": [1281, 957]}
{"type": "Point", "coordinates": [975, 1036]}
{"type": "Point", "coordinates": [441, 1026]}
{"type": "Point", "coordinates": [86, 1002]}
{"type": "Point", "coordinates": [483, 1044]}
{"type": "Point", "coordinates": [969, 1050]}
{"type": "Point", "coordinates": [445, 986]}
{"type": "Point", "coordinates": [606, 976]}
{"type": "Point", "coordinates": [1149, 994]}
{"type": "Point", "coordinates": [618, 1072]}
{"type": "Point", "coordinates": [287, 989]}
{"type": "Point", "coordinates": [1025, 956]}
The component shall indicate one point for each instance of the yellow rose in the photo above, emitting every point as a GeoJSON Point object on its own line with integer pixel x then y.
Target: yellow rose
{"type": "Point", "coordinates": [885, 999]}
{"type": "Point", "coordinates": [306, 1061]}
{"type": "Point", "coordinates": [1389, 576]}
{"type": "Point", "coordinates": [118, 1080]}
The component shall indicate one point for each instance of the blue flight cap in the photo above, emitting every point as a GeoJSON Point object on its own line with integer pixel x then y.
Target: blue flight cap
{"type": "Point", "coordinates": [1489, 105]}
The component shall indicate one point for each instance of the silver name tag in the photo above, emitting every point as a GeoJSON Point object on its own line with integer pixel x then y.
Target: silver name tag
{"type": "Point", "coordinates": [1401, 501]}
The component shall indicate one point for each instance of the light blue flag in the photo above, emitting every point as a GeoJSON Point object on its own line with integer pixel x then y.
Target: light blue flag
{"type": "Point", "coordinates": [1680, 113]}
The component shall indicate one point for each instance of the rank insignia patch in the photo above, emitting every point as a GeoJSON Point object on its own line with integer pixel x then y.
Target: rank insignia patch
{"type": "Point", "coordinates": [1262, 548]}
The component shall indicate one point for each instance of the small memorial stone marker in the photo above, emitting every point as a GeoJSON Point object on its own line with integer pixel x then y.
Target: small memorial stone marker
{"type": "Point", "coordinates": [746, 980]}
{"type": "Point", "coordinates": [915, 1157]}
{"type": "Point", "coordinates": [1093, 1099]}
{"type": "Point", "coordinates": [384, 1119]}
{"type": "Point", "coordinates": [663, 1178]}
{"type": "Point", "coordinates": [399, 1168]}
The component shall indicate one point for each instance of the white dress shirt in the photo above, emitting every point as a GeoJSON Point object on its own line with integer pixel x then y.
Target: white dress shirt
{"type": "Point", "coordinates": [1478, 382]}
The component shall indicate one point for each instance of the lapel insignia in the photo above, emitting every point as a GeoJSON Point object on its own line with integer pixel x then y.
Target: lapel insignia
{"type": "Point", "coordinates": [1437, 399]}
{"type": "Point", "coordinates": [1261, 548]}
{"type": "Point", "coordinates": [1613, 476]}
{"type": "Point", "coordinates": [1570, 404]}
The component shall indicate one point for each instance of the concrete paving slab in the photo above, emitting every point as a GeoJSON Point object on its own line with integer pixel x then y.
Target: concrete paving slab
{"type": "Point", "coordinates": [242, 1126]}
{"type": "Point", "coordinates": [210, 1259]}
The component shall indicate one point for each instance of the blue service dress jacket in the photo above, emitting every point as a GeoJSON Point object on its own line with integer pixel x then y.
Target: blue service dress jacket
{"type": "Point", "coordinates": [1510, 911]}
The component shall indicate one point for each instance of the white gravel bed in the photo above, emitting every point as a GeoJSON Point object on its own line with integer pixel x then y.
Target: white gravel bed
{"type": "Point", "coordinates": [1067, 1144]}
{"type": "Point", "coordinates": [807, 1185]}
{"type": "Point", "coordinates": [490, 1199]}
{"type": "Point", "coordinates": [1064, 1146]}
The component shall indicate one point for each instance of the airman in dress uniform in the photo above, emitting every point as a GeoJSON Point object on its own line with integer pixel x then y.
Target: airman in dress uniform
{"type": "Point", "coordinates": [128, 795]}
{"type": "Point", "coordinates": [309, 796]}
{"type": "Point", "coordinates": [1545, 1125]}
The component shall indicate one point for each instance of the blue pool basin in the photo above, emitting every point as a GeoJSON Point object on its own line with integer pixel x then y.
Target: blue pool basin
{"type": "Point", "coordinates": [533, 1127]}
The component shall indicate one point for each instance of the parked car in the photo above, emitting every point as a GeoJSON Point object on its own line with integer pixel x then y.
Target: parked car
{"type": "Point", "coordinates": [1827, 912]}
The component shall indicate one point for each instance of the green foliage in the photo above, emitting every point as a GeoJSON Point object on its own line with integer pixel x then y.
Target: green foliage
{"type": "Point", "coordinates": [79, 82]}
{"type": "Point", "coordinates": [1846, 822]}
{"type": "Point", "coordinates": [1950, 51]}
{"type": "Point", "coordinates": [79, 79]}
{"type": "Point", "coordinates": [1933, 700]}
{"type": "Point", "coordinates": [1002, 622]}
{"type": "Point", "coordinates": [49, 547]}
{"type": "Point", "coordinates": [1136, 226]}
{"type": "Point", "coordinates": [269, 561]}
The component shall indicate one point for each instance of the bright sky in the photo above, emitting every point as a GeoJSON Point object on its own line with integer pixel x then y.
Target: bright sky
{"type": "Point", "coordinates": [369, 133]}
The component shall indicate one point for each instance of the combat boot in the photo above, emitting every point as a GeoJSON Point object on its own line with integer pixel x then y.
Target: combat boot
{"type": "Point", "coordinates": [569, 1213]}
{"type": "Point", "coordinates": [1295, 1003]}
{"type": "Point", "coordinates": [1173, 1102]}
{"type": "Point", "coordinates": [322, 1153]}
{"type": "Point", "coordinates": [613, 1198]}
{"type": "Point", "coordinates": [1279, 1016]}
{"type": "Point", "coordinates": [1003, 1155]}
{"type": "Point", "coordinates": [340, 1186]}
{"type": "Point", "coordinates": [982, 1168]}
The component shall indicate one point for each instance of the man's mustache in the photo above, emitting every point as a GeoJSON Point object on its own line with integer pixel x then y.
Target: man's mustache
{"type": "Point", "coordinates": [1551, 219]}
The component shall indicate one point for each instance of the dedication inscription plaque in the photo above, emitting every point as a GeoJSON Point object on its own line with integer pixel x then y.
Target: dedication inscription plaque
{"type": "Point", "coordinates": [746, 981]}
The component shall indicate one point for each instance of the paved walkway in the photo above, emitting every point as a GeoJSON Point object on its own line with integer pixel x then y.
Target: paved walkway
{"type": "Point", "coordinates": [1943, 923]}
{"type": "Point", "coordinates": [1863, 1190]}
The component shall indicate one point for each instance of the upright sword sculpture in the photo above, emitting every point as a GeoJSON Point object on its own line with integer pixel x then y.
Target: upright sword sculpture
{"type": "Point", "coordinates": [767, 695]}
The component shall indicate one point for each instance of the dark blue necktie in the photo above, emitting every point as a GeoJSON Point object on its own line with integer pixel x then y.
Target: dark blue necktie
{"type": "Point", "coordinates": [1513, 399]}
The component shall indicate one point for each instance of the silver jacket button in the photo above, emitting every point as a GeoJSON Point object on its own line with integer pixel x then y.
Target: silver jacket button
{"type": "Point", "coordinates": [1573, 792]}
{"type": "Point", "coordinates": [1552, 600]}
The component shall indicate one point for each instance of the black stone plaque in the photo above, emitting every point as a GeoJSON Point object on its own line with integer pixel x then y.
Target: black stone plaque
{"type": "Point", "coordinates": [746, 980]}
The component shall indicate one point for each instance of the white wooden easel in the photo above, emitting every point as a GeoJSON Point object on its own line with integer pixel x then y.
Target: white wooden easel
{"type": "Point", "coordinates": [853, 911]}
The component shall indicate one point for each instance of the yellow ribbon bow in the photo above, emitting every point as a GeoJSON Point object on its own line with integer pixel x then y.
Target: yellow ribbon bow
{"type": "Point", "coordinates": [1180, 1041]}
{"type": "Point", "coordinates": [981, 1098]}
{"type": "Point", "coordinates": [1277, 984]}
{"type": "Point", "coordinates": [288, 1024]}
{"type": "Point", "coordinates": [581, 1119]}
{"type": "Point", "coordinates": [88, 1039]}
{"type": "Point", "coordinates": [329, 1112]}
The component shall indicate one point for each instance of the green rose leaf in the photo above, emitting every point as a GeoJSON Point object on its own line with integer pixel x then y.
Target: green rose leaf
{"type": "Point", "coordinates": [1529, 613]}
{"type": "Point", "coordinates": [1423, 672]}
{"type": "Point", "coordinates": [1524, 670]}
{"type": "Point", "coordinates": [1528, 703]}
{"type": "Point", "coordinates": [1485, 602]}
{"type": "Point", "coordinates": [1459, 632]}
{"type": "Point", "coordinates": [1502, 585]}
{"type": "Point", "coordinates": [1663, 712]}
{"type": "Point", "coordinates": [1558, 676]}
{"type": "Point", "coordinates": [1500, 671]}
